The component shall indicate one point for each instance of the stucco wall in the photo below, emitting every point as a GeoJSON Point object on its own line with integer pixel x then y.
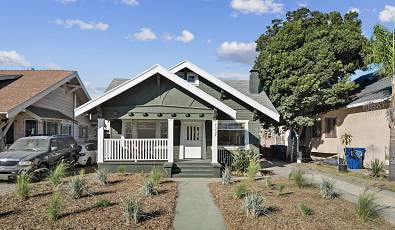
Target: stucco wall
{"type": "Point", "coordinates": [369, 129]}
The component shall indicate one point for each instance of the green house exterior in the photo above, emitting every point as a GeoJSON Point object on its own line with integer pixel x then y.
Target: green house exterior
{"type": "Point", "coordinates": [167, 118]}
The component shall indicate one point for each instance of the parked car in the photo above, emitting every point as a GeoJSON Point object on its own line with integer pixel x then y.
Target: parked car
{"type": "Point", "coordinates": [36, 152]}
{"type": "Point", "coordinates": [88, 154]}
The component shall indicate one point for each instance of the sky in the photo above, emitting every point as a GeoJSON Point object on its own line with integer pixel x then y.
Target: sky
{"type": "Point", "coordinates": [105, 39]}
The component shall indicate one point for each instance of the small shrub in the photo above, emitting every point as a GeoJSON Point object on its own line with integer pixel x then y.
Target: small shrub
{"type": "Point", "coordinates": [376, 168]}
{"type": "Point", "coordinates": [268, 182]}
{"type": "Point", "coordinates": [298, 177]}
{"type": "Point", "coordinates": [77, 187]}
{"type": "Point", "coordinates": [102, 175]}
{"type": "Point", "coordinates": [122, 170]}
{"type": "Point", "coordinates": [254, 205]}
{"type": "Point", "coordinates": [241, 160]}
{"type": "Point", "coordinates": [23, 185]}
{"type": "Point", "coordinates": [227, 177]}
{"type": "Point", "coordinates": [132, 210]}
{"type": "Point", "coordinates": [56, 174]}
{"type": "Point", "coordinates": [327, 189]}
{"type": "Point", "coordinates": [280, 188]}
{"type": "Point", "coordinates": [103, 203]}
{"type": "Point", "coordinates": [156, 174]}
{"type": "Point", "coordinates": [366, 206]}
{"type": "Point", "coordinates": [304, 210]}
{"type": "Point", "coordinates": [240, 191]}
{"type": "Point", "coordinates": [148, 188]}
{"type": "Point", "coordinates": [55, 205]}
{"type": "Point", "coordinates": [253, 169]}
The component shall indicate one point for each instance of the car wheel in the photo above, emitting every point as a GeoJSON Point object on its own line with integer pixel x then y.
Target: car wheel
{"type": "Point", "coordinates": [89, 161]}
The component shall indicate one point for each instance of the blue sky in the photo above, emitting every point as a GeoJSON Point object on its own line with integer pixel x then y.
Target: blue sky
{"type": "Point", "coordinates": [103, 39]}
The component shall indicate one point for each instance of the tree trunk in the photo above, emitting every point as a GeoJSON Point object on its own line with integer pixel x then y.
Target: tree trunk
{"type": "Point", "coordinates": [392, 133]}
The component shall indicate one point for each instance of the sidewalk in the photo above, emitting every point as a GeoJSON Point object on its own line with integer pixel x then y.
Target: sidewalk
{"type": "Point", "coordinates": [195, 208]}
{"type": "Point", "coordinates": [348, 191]}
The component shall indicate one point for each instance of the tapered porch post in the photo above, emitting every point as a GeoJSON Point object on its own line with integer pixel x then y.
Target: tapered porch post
{"type": "Point", "coordinates": [170, 141]}
{"type": "Point", "coordinates": [214, 141]}
{"type": "Point", "coordinates": [100, 140]}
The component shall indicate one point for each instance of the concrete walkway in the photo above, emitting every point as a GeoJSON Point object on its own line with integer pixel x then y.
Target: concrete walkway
{"type": "Point", "coordinates": [195, 208]}
{"type": "Point", "coordinates": [347, 190]}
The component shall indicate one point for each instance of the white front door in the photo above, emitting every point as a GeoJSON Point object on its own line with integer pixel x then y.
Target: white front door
{"type": "Point", "coordinates": [192, 139]}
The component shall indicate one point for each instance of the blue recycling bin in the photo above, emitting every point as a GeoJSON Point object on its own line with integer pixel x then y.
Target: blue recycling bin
{"type": "Point", "coordinates": [354, 157]}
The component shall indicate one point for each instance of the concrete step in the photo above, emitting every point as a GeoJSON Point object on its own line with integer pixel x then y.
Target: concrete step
{"type": "Point", "coordinates": [193, 175]}
{"type": "Point", "coordinates": [196, 170]}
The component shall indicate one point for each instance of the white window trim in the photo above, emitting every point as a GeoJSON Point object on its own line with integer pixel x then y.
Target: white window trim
{"type": "Point", "coordinates": [246, 135]}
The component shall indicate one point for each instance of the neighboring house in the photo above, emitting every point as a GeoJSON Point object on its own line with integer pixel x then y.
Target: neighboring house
{"type": "Point", "coordinates": [42, 102]}
{"type": "Point", "coordinates": [178, 116]}
{"type": "Point", "coordinates": [365, 118]}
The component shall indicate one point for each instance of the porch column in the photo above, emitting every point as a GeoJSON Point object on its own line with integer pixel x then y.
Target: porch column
{"type": "Point", "coordinates": [214, 141]}
{"type": "Point", "coordinates": [170, 141]}
{"type": "Point", "coordinates": [100, 140]}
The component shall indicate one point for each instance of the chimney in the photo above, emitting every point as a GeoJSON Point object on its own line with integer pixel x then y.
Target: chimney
{"type": "Point", "coordinates": [255, 82]}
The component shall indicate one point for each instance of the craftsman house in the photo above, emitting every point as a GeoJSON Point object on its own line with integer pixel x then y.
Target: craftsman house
{"type": "Point", "coordinates": [184, 119]}
{"type": "Point", "coordinates": [42, 102]}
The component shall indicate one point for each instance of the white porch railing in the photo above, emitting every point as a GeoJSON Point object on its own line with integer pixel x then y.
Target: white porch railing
{"type": "Point", "coordinates": [135, 149]}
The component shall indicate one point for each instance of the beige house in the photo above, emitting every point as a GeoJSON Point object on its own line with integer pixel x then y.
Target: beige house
{"type": "Point", "coordinates": [42, 102]}
{"type": "Point", "coordinates": [365, 118]}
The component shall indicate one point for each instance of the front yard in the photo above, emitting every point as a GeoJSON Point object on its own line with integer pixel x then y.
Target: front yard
{"type": "Point", "coordinates": [86, 212]}
{"type": "Point", "coordinates": [283, 209]}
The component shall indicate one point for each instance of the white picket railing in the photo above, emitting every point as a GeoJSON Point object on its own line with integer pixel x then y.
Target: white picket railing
{"type": "Point", "coordinates": [135, 149]}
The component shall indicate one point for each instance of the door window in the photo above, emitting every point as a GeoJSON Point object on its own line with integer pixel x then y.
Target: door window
{"type": "Point", "coordinates": [192, 132]}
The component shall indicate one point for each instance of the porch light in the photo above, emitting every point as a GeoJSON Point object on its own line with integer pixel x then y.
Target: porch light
{"type": "Point", "coordinates": [201, 115]}
{"type": "Point", "coordinates": [188, 115]}
{"type": "Point", "coordinates": [131, 114]}
{"type": "Point", "coordinates": [174, 115]}
{"type": "Point", "coordinates": [145, 114]}
{"type": "Point", "coordinates": [159, 114]}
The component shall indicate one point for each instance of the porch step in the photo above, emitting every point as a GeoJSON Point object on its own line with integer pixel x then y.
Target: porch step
{"type": "Point", "coordinates": [193, 169]}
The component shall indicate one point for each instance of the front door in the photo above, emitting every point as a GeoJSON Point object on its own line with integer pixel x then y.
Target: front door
{"type": "Point", "coordinates": [191, 139]}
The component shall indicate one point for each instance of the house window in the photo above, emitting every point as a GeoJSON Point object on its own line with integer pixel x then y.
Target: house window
{"type": "Point", "coordinates": [66, 129]}
{"type": "Point", "coordinates": [30, 127]}
{"type": "Point", "coordinates": [317, 129]}
{"type": "Point", "coordinates": [232, 133]}
{"type": "Point", "coordinates": [163, 129]}
{"type": "Point", "coordinates": [127, 129]}
{"type": "Point", "coordinates": [83, 131]}
{"type": "Point", "coordinates": [330, 127]}
{"type": "Point", "coordinates": [50, 127]}
{"type": "Point", "coordinates": [146, 129]}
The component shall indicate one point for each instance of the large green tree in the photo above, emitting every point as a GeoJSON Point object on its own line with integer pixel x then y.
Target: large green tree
{"type": "Point", "coordinates": [383, 53]}
{"type": "Point", "coordinates": [305, 62]}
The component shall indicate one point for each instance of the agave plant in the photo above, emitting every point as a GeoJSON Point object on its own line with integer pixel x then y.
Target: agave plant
{"type": "Point", "coordinates": [376, 168]}
{"type": "Point", "coordinates": [227, 177]}
{"type": "Point", "coordinates": [132, 210]}
{"type": "Point", "coordinates": [77, 187]}
{"type": "Point", "coordinates": [148, 188]}
{"type": "Point", "coordinates": [102, 175]}
{"type": "Point", "coordinates": [254, 205]}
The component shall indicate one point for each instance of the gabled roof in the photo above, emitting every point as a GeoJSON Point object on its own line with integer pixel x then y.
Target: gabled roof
{"type": "Point", "coordinates": [156, 69]}
{"type": "Point", "coordinates": [29, 86]}
{"type": "Point", "coordinates": [48, 113]}
{"type": "Point", "coordinates": [271, 112]}
{"type": "Point", "coordinates": [371, 90]}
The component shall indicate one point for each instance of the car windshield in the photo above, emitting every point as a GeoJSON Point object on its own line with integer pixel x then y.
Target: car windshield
{"type": "Point", "coordinates": [30, 144]}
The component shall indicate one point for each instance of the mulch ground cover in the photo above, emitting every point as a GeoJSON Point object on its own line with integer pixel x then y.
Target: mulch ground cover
{"type": "Point", "coordinates": [83, 213]}
{"type": "Point", "coordinates": [327, 214]}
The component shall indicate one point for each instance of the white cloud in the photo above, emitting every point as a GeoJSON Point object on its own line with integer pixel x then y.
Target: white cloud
{"type": "Point", "coordinates": [353, 9]}
{"type": "Point", "coordinates": [65, 2]}
{"type": "Point", "coordinates": [130, 2]}
{"type": "Point", "coordinates": [185, 36]}
{"type": "Point", "coordinates": [145, 34]}
{"type": "Point", "coordinates": [388, 14]}
{"type": "Point", "coordinates": [257, 6]}
{"type": "Point", "coordinates": [237, 52]}
{"type": "Point", "coordinates": [69, 23]}
{"type": "Point", "coordinates": [232, 76]}
{"type": "Point", "coordinates": [12, 58]}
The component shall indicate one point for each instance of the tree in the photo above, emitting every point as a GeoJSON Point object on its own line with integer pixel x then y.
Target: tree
{"type": "Point", "coordinates": [305, 62]}
{"type": "Point", "coordinates": [383, 53]}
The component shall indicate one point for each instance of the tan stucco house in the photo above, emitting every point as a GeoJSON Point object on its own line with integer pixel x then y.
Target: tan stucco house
{"type": "Point", "coordinates": [42, 102]}
{"type": "Point", "coordinates": [365, 118]}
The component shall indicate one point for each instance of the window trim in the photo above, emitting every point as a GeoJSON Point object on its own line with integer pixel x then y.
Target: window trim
{"type": "Point", "coordinates": [87, 131]}
{"type": "Point", "coordinates": [246, 134]}
{"type": "Point", "coordinates": [69, 125]}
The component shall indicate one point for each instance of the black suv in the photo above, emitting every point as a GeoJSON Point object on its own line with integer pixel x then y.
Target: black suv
{"type": "Point", "coordinates": [36, 152]}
